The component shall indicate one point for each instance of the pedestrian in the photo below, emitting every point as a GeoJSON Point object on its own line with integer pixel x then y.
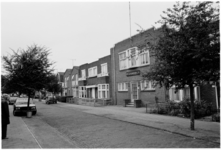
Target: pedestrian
{"type": "Point", "coordinates": [5, 117]}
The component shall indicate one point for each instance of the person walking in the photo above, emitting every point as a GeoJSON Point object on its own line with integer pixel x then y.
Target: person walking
{"type": "Point", "coordinates": [5, 117]}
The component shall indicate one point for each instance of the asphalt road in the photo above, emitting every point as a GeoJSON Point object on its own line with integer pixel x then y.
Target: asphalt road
{"type": "Point", "coordinates": [82, 130]}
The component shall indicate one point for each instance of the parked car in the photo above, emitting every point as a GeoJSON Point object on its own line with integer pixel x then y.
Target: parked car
{"type": "Point", "coordinates": [21, 105]}
{"type": "Point", "coordinates": [51, 100]}
{"type": "Point", "coordinates": [12, 100]}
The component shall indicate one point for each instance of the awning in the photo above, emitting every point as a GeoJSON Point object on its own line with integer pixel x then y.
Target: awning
{"type": "Point", "coordinates": [91, 86]}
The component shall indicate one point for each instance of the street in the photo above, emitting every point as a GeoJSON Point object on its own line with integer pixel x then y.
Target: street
{"type": "Point", "coordinates": [78, 129]}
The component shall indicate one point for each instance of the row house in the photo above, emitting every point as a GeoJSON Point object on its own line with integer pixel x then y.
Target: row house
{"type": "Point", "coordinates": [128, 85]}
{"type": "Point", "coordinates": [128, 64]}
{"type": "Point", "coordinates": [60, 78]}
{"type": "Point", "coordinates": [74, 84]}
{"type": "Point", "coordinates": [94, 80]}
{"type": "Point", "coordinates": [118, 78]}
{"type": "Point", "coordinates": [67, 83]}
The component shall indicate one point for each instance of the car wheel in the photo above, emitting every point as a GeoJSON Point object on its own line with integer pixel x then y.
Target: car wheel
{"type": "Point", "coordinates": [34, 112]}
{"type": "Point", "coordinates": [14, 113]}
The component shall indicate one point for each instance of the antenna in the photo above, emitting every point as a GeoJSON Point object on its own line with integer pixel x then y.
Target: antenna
{"type": "Point", "coordinates": [130, 19]}
{"type": "Point", "coordinates": [140, 28]}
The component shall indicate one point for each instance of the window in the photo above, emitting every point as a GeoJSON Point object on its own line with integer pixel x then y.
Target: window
{"type": "Point", "coordinates": [123, 60]}
{"type": "Point", "coordinates": [92, 72]}
{"type": "Point", "coordinates": [82, 92]}
{"type": "Point", "coordinates": [103, 91]}
{"type": "Point", "coordinates": [73, 83]}
{"type": "Point", "coordinates": [175, 95]}
{"type": "Point", "coordinates": [72, 77]}
{"type": "Point", "coordinates": [123, 86]}
{"type": "Point", "coordinates": [76, 79]}
{"type": "Point", "coordinates": [183, 94]}
{"type": "Point", "coordinates": [144, 57]}
{"type": "Point", "coordinates": [104, 69]}
{"type": "Point", "coordinates": [133, 57]}
{"type": "Point", "coordinates": [75, 92]}
{"type": "Point", "coordinates": [147, 85]}
{"type": "Point", "coordinates": [83, 74]}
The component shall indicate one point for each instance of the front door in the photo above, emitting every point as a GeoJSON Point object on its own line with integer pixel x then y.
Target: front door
{"type": "Point", "coordinates": [93, 92]}
{"type": "Point", "coordinates": [134, 91]}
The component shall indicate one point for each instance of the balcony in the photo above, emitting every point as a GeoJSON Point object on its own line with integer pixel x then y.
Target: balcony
{"type": "Point", "coordinates": [102, 75]}
{"type": "Point", "coordinates": [82, 79]}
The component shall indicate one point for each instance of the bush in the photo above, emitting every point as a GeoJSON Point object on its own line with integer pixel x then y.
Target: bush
{"type": "Point", "coordinates": [162, 110]}
{"type": "Point", "coordinates": [201, 108]}
{"type": "Point", "coordinates": [216, 117]}
{"type": "Point", "coordinates": [153, 110]}
{"type": "Point", "coordinates": [61, 99]}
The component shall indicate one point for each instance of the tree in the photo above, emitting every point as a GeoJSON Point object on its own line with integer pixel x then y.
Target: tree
{"type": "Point", "coordinates": [187, 52]}
{"type": "Point", "coordinates": [28, 70]}
{"type": "Point", "coordinates": [53, 85]}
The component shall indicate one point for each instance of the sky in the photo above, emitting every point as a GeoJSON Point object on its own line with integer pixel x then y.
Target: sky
{"type": "Point", "coordinates": [75, 32]}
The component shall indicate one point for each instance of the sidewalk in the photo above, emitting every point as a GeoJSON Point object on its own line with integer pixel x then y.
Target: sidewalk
{"type": "Point", "coordinates": [19, 135]}
{"type": "Point", "coordinates": [33, 133]}
{"type": "Point", "coordinates": [209, 131]}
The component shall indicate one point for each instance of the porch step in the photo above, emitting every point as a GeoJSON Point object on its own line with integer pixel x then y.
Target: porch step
{"type": "Point", "coordinates": [130, 104]}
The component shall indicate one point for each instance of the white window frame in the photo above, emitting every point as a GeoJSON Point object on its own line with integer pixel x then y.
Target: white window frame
{"type": "Point", "coordinates": [83, 74]}
{"type": "Point", "coordinates": [75, 92]}
{"type": "Point", "coordinates": [136, 60]}
{"type": "Point", "coordinates": [73, 83]}
{"type": "Point", "coordinates": [146, 85]}
{"type": "Point", "coordinates": [123, 61]}
{"type": "Point", "coordinates": [92, 72]}
{"type": "Point", "coordinates": [123, 86]}
{"type": "Point", "coordinates": [182, 94]}
{"type": "Point", "coordinates": [82, 92]}
{"type": "Point", "coordinates": [133, 60]}
{"type": "Point", "coordinates": [142, 54]}
{"type": "Point", "coordinates": [101, 90]}
{"type": "Point", "coordinates": [76, 79]}
{"type": "Point", "coordinates": [104, 69]}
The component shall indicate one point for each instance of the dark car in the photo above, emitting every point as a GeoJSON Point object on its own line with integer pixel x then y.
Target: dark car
{"type": "Point", "coordinates": [12, 100]}
{"type": "Point", "coordinates": [21, 105]}
{"type": "Point", "coordinates": [51, 100]}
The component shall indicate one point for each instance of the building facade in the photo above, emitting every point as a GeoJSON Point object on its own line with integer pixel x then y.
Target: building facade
{"type": "Point", "coordinates": [67, 83]}
{"type": "Point", "coordinates": [94, 80]}
{"type": "Point", "coordinates": [60, 77]}
{"type": "Point", "coordinates": [74, 83]}
{"type": "Point", "coordinates": [128, 64]}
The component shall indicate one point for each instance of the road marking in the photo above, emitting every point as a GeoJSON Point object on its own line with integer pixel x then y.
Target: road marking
{"type": "Point", "coordinates": [32, 134]}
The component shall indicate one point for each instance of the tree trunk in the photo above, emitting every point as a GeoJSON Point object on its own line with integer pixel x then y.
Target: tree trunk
{"type": "Point", "coordinates": [192, 107]}
{"type": "Point", "coordinates": [29, 95]}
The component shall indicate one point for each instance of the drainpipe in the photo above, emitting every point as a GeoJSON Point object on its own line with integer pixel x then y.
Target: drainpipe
{"type": "Point", "coordinates": [114, 76]}
{"type": "Point", "coordinates": [217, 104]}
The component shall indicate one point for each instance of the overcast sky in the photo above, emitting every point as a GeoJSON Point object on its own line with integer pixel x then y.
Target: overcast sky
{"type": "Point", "coordinates": [75, 32]}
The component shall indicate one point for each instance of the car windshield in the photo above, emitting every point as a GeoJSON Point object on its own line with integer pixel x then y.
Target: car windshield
{"type": "Point", "coordinates": [23, 101]}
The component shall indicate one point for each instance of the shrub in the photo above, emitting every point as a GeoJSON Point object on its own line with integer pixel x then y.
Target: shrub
{"type": "Point", "coordinates": [153, 110]}
{"type": "Point", "coordinates": [201, 108]}
{"type": "Point", "coordinates": [216, 117]}
{"type": "Point", "coordinates": [162, 110]}
{"type": "Point", "coordinates": [61, 99]}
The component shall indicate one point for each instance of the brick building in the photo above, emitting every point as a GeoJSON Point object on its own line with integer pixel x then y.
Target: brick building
{"type": "Point", "coordinates": [74, 84]}
{"type": "Point", "coordinates": [60, 77]}
{"type": "Point", "coordinates": [94, 81]}
{"type": "Point", "coordinates": [128, 85]}
{"type": "Point", "coordinates": [128, 64]}
{"type": "Point", "coordinates": [67, 83]}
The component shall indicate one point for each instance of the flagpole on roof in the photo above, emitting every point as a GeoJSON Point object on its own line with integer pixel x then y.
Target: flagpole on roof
{"type": "Point", "coordinates": [130, 20]}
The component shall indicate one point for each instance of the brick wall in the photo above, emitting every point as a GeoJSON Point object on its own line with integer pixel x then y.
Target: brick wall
{"type": "Point", "coordinates": [121, 75]}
